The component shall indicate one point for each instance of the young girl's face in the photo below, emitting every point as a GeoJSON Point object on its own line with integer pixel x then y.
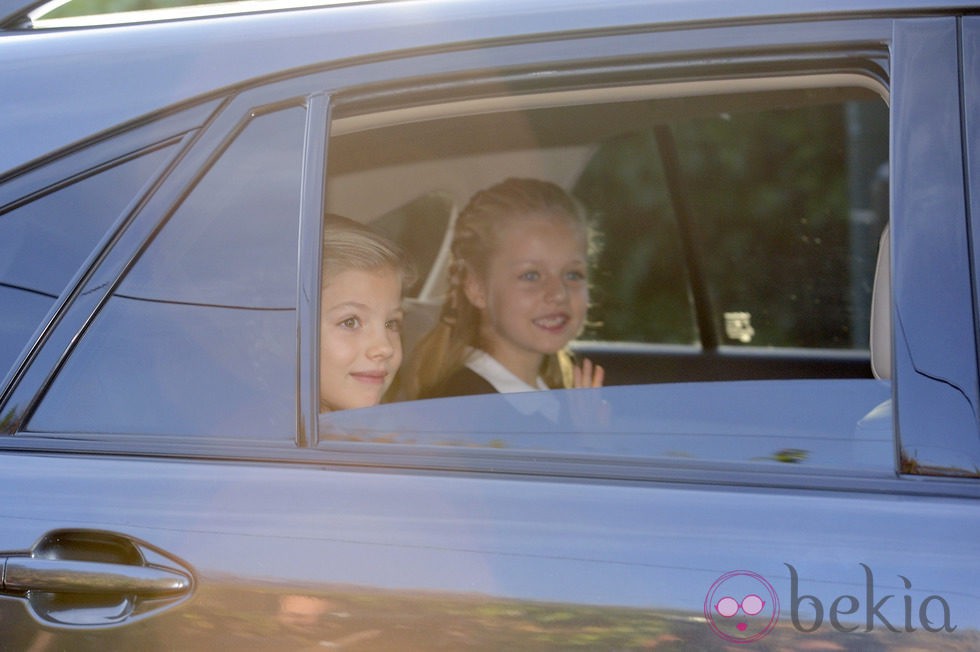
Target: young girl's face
{"type": "Point", "coordinates": [535, 295]}
{"type": "Point", "coordinates": [360, 344]}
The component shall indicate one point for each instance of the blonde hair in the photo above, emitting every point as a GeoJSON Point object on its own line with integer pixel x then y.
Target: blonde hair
{"type": "Point", "coordinates": [442, 351]}
{"type": "Point", "coordinates": [350, 245]}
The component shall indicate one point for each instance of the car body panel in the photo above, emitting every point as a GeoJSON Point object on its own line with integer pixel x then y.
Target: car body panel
{"type": "Point", "coordinates": [258, 532]}
{"type": "Point", "coordinates": [934, 370]}
{"type": "Point", "coordinates": [970, 47]}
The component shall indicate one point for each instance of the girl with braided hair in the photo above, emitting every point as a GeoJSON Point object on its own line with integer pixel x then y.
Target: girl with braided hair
{"type": "Point", "coordinates": [518, 294]}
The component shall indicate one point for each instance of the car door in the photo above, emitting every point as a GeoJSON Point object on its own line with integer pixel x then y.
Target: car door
{"type": "Point", "coordinates": [166, 482]}
{"type": "Point", "coordinates": [186, 293]}
{"type": "Point", "coordinates": [679, 423]}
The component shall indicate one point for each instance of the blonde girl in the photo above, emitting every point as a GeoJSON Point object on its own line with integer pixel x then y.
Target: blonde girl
{"type": "Point", "coordinates": [360, 314]}
{"type": "Point", "coordinates": [518, 294]}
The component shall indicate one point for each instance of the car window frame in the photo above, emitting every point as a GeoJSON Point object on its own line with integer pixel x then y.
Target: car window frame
{"type": "Point", "coordinates": [154, 210]}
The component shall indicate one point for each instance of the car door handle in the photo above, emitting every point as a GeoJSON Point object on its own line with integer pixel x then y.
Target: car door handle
{"type": "Point", "coordinates": [67, 576]}
{"type": "Point", "coordinates": [94, 578]}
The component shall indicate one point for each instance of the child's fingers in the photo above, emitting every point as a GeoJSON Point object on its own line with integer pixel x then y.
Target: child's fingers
{"type": "Point", "coordinates": [598, 376]}
{"type": "Point", "coordinates": [588, 374]}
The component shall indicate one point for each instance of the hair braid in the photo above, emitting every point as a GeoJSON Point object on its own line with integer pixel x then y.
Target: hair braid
{"type": "Point", "coordinates": [443, 350]}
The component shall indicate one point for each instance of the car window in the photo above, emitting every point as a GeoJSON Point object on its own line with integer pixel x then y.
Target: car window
{"type": "Point", "coordinates": [732, 217]}
{"type": "Point", "coordinates": [43, 242]}
{"type": "Point", "coordinates": [199, 338]}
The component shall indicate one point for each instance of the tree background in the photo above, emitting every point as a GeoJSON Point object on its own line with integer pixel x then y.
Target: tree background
{"type": "Point", "coordinates": [92, 7]}
{"type": "Point", "coordinates": [779, 201]}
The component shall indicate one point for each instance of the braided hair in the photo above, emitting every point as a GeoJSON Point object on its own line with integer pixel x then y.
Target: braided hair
{"type": "Point", "coordinates": [442, 351]}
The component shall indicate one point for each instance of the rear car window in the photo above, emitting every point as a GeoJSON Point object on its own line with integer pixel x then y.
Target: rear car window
{"type": "Point", "coordinates": [200, 337]}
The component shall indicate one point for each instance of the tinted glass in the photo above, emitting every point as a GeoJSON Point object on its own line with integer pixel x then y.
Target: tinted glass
{"type": "Point", "coordinates": [726, 220]}
{"type": "Point", "coordinates": [784, 206]}
{"type": "Point", "coordinates": [200, 337]}
{"type": "Point", "coordinates": [641, 290]}
{"type": "Point", "coordinates": [43, 243]}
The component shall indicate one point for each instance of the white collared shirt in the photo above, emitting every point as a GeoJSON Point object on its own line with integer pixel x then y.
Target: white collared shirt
{"type": "Point", "coordinates": [502, 379]}
{"type": "Point", "coordinates": [506, 382]}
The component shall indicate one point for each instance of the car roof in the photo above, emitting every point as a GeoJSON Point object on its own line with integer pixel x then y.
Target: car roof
{"type": "Point", "coordinates": [102, 72]}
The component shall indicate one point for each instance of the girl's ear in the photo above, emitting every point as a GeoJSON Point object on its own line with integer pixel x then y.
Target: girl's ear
{"type": "Point", "coordinates": [475, 292]}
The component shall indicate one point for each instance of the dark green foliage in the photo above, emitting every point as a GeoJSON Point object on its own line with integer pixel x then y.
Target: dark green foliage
{"type": "Point", "coordinates": [93, 7]}
{"type": "Point", "coordinates": [771, 212]}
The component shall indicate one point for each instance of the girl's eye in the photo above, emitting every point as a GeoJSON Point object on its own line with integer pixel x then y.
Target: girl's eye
{"type": "Point", "coordinates": [394, 325]}
{"type": "Point", "coordinates": [575, 276]}
{"type": "Point", "coordinates": [530, 276]}
{"type": "Point", "coordinates": [351, 322]}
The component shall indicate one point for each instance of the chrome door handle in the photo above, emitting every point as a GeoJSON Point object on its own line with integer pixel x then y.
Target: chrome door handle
{"type": "Point", "coordinates": [67, 576]}
{"type": "Point", "coordinates": [94, 578]}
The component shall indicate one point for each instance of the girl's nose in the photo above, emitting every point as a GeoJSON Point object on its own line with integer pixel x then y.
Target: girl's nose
{"type": "Point", "coordinates": [556, 290]}
{"type": "Point", "coordinates": [382, 347]}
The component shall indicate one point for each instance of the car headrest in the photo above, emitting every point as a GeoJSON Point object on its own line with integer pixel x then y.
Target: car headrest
{"type": "Point", "coordinates": [881, 315]}
{"type": "Point", "coordinates": [422, 311]}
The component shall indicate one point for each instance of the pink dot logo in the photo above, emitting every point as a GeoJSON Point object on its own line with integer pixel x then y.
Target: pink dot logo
{"type": "Point", "coordinates": [741, 607]}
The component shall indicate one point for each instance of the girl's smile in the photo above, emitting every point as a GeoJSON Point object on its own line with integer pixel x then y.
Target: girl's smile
{"type": "Point", "coordinates": [553, 323]}
{"type": "Point", "coordinates": [535, 294]}
{"type": "Point", "coordinates": [360, 342]}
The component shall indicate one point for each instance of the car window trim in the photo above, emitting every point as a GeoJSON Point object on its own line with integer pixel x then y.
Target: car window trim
{"type": "Point", "coordinates": [547, 466]}
{"type": "Point", "coordinates": [310, 268]}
